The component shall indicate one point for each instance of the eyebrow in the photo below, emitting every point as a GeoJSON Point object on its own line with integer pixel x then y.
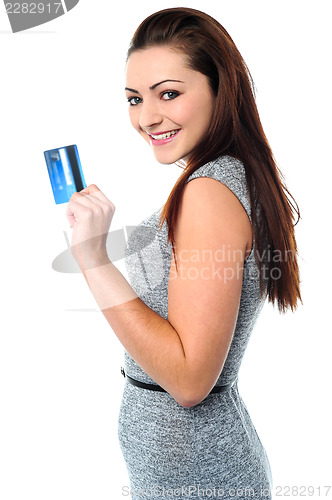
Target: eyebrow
{"type": "Point", "coordinates": [154, 86]}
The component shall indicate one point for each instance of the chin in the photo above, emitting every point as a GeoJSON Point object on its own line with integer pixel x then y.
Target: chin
{"type": "Point", "coordinates": [166, 160]}
{"type": "Point", "coordinates": [182, 161]}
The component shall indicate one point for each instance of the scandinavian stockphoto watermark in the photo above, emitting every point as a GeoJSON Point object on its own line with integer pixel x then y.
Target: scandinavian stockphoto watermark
{"type": "Point", "coordinates": [147, 252]}
{"type": "Point", "coordinates": [26, 15]}
{"type": "Point", "coordinates": [147, 258]}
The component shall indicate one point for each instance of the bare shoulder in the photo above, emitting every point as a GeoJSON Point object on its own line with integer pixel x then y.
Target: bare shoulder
{"type": "Point", "coordinates": [208, 204]}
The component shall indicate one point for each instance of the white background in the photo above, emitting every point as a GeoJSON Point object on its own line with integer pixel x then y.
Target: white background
{"type": "Point", "coordinates": [60, 384]}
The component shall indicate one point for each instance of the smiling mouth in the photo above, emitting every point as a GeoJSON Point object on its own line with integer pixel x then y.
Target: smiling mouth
{"type": "Point", "coordinates": [164, 135]}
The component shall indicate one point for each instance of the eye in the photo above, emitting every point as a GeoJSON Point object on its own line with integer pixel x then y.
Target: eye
{"type": "Point", "coordinates": [134, 100]}
{"type": "Point", "coordinates": [167, 96]}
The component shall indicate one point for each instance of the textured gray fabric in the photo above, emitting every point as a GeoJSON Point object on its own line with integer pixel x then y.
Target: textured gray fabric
{"type": "Point", "coordinates": [211, 450]}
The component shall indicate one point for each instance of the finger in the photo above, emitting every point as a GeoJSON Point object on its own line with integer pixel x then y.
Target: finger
{"type": "Point", "coordinates": [71, 219]}
{"type": "Point", "coordinates": [93, 190]}
{"type": "Point", "coordinates": [90, 201]}
{"type": "Point", "coordinates": [73, 209]}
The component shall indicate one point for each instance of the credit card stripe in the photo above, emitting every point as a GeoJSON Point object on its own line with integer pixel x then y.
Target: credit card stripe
{"type": "Point", "coordinates": [71, 151]}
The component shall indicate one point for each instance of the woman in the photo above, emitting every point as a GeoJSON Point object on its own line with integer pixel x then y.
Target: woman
{"type": "Point", "coordinates": [200, 268]}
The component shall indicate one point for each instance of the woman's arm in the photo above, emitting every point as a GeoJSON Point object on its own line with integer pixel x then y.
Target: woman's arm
{"type": "Point", "coordinates": [186, 353]}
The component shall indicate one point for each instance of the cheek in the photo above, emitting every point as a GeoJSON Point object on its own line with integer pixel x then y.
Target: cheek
{"type": "Point", "coordinates": [193, 113]}
{"type": "Point", "coordinates": [203, 114]}
{"type": "Point", "coordinates": [181, 112]}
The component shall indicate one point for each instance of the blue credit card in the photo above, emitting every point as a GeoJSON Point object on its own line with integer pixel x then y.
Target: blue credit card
{"type": "Point", "coordinates": [65, 171]}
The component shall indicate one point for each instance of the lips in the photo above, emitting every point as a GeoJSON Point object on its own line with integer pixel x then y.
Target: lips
{"type": "Point", "coordinates": [162, 138]}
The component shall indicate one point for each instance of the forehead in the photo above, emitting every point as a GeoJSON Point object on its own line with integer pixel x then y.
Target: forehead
{"type": "Point", "coordinates": [148, 66]}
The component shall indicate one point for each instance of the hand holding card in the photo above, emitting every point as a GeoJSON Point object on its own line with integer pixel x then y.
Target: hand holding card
{"type": "Point", "coordinates": [90, 213]}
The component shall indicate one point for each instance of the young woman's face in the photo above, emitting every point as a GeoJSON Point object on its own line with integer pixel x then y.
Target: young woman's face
{"type": "Point", "coordinates": [170, 105]}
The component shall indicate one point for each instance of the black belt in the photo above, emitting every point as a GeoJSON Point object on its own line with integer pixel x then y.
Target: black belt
{"type": "Point", "coordinates": [155, 387]}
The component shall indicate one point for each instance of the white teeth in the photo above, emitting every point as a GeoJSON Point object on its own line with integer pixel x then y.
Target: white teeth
{"type": "Point", "coordinates": [164, 136]}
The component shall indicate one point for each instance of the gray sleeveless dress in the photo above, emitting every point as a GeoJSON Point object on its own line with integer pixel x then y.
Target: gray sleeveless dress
{"type": "Point", "coordinates": [211, 450]}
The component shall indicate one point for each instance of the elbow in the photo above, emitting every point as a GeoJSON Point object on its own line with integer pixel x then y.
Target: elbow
{"type": "Point", "coordinates": [190, 398]}
{"type": "Point", "coordinates": [189, 403]}
{"type": "Point", "coordinates": [192, 388]}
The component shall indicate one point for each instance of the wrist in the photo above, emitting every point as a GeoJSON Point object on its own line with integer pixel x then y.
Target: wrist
{"type": "Point", "coordinates": [108, 286]}
{"type": "Point", "coordinates": [92, 260]}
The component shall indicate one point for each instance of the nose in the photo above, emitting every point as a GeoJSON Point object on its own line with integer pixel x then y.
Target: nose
{"type": "Point", "coordinates": [150, 115]}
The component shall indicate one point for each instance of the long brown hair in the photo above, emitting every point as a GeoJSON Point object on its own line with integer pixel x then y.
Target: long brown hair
{"type": "Point", "coordinates": [235, 130]}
